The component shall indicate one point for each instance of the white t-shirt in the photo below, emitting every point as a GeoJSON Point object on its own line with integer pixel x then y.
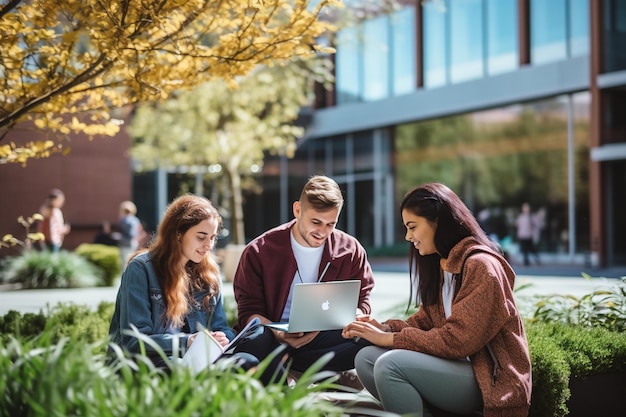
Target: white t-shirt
{"type": "Point", "coordinates": [447, 292]}
{"type": "Point", "coordinates": [308, 261]}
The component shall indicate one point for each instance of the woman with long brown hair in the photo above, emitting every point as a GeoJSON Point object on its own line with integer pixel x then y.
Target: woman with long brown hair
{"type": "Point", "coordinates": [172, 289]}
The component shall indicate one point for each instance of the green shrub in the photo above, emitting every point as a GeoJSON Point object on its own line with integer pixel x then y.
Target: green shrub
{"type": "Point", "coordinates": [21, 326]}
{"type": "Point", "coordinates": [45, 269]}
{"type": "Point", "coordinates": [560, 352]}
{"type": "Point", "coordinates": [79, 323]}
{"type": "Point", "coordinates": [550, 373]}
{"type": "Point", "coordinates": [105, 257]}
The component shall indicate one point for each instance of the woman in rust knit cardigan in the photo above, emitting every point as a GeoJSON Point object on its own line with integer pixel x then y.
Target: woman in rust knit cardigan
{"type": "Point", "coordinates": [464, 351]}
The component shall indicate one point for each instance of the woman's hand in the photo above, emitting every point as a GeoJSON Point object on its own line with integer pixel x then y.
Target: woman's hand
{"type": "Point", "coordinates": [366, 318]}
{"type": "Point", "coordinates": [221, 338]}
{"type": "Point", "coordinates": [190, 339]}
{"type": "Point", "coordinates": [369, 329]}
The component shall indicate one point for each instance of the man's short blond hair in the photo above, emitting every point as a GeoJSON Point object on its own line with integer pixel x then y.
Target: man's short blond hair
{"type": "Point", "coordinates": [321, 193]}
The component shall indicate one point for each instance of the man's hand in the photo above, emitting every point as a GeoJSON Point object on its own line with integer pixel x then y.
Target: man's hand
{"type": "Point", "coordinates": [295, 340]}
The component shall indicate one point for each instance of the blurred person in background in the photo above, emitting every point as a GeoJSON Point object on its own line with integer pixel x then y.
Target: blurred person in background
{"type": "Point", "coordinates": [129, 227]}
{"type": "Point", "coordinates": [53, 224]}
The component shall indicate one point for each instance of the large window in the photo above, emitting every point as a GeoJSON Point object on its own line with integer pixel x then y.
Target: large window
{"type": "Point", "coordinates": [403, 51]}
{"type": "Point", "coordinates": [348, 66]}
{"type": "Point", "coordinates": [376, 59]}
{"type": "Point", "coordinates": [548, 31]}
{"type": "Point", "coordinates": [363, 151]}
{"type": "Point", "coordinates": [579, 27]}
{"type": "Point", "coordinates": [501, 36]}
{"type": "Point", "coordinates": [559, 29]}
{"type": "Point", "coordinates": [498, 159]}
{"type": "Point", "coordinates": [435, 45]}
{"type": "Point", "coordinates": [614, 35]}
{"type": "Point", "coordinates": [465, 40]}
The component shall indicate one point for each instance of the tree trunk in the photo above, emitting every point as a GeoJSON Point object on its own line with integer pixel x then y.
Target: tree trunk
{"type": "Point", "coordinates": [236, 209]}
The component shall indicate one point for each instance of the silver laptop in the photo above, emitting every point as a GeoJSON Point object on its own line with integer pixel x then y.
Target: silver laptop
{"type": "Point", "coordinates": [321, 306]}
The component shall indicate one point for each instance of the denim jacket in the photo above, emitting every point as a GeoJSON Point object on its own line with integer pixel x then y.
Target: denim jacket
{"type": "Point", "coordinates": [140, 302]}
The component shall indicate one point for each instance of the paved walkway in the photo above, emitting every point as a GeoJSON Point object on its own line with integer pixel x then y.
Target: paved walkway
{"type": "Point", "coordinates": [390, 294]}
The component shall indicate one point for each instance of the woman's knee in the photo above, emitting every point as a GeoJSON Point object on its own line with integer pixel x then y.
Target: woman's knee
{"type": "Point", "coordinates": [368, 356]}
{"type": "Point", "coordinates": [393, 363]}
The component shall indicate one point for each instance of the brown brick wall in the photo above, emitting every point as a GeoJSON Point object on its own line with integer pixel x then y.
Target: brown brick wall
{"type": "Point", "coordinates": [95, 177]}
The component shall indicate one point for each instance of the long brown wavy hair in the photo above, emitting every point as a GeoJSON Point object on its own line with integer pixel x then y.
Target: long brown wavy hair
{"type": "Point", "coordinates": [438, 203]}
{"type": "Point", "coordinates": [178, 283]}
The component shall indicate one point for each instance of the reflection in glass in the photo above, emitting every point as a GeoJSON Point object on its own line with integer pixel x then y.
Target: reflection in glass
{"type": "Point", "coordinates": [466, 40]}
{"type": "Point", "coordinates": [548, 31]}
{"type": "Point", "coordinates": [376, 58]}
{"type": "Point", "coordinates": [435, 45]}
{"type": "Point", "coordinates": [501, 36]}
{"type": "Point", "coordinates": [403, 52]}
{"type": "Point", "coordinates": [347, 66]}
{"type": "Point", "coordinates": [499, 158]}
{"type": "Point", "coordinates": [579, 27]}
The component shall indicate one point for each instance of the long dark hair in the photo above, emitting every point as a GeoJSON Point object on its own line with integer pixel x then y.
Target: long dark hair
{"type": "Point", "coordinates": [439, 204]}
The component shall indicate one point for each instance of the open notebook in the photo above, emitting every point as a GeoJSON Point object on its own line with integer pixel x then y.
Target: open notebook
{"type": "Point", "coordinates": [205, 349]}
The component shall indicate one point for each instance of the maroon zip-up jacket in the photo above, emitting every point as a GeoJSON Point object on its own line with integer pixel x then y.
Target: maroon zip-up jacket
{"type": "Point", "coordinates": [267, 267]}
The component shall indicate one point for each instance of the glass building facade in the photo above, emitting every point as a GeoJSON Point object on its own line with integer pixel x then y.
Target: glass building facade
{"type": "Point", "coordinates": [505, 101]}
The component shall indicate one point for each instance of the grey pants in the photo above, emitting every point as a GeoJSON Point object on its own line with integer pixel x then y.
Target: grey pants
{"type": "Point", "coordinates": [403, 379]}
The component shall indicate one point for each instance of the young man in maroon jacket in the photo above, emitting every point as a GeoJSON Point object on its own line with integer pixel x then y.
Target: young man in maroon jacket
{"type": "Point", "coordinates": [301, 251]}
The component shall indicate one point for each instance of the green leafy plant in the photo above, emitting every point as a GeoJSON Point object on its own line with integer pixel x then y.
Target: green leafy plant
{"type": "Point", "coordinates": [604, 308]}
{"type": "Point", "coordinates": [230, 305]}
{"type": "Point", "coordinates": [105, 257]}
{"type": "Point", "coordinates": [45, 269]}
{"type": "Point", "coordinates": [41, 378]}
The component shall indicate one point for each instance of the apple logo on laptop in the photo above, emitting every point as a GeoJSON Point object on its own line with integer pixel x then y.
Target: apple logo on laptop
{"type": "Point", "coordinates": [325, 305]}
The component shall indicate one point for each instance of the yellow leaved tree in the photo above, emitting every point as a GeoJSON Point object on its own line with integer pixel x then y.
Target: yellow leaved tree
{"type": "Point", "coordinates": [66, 64]}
